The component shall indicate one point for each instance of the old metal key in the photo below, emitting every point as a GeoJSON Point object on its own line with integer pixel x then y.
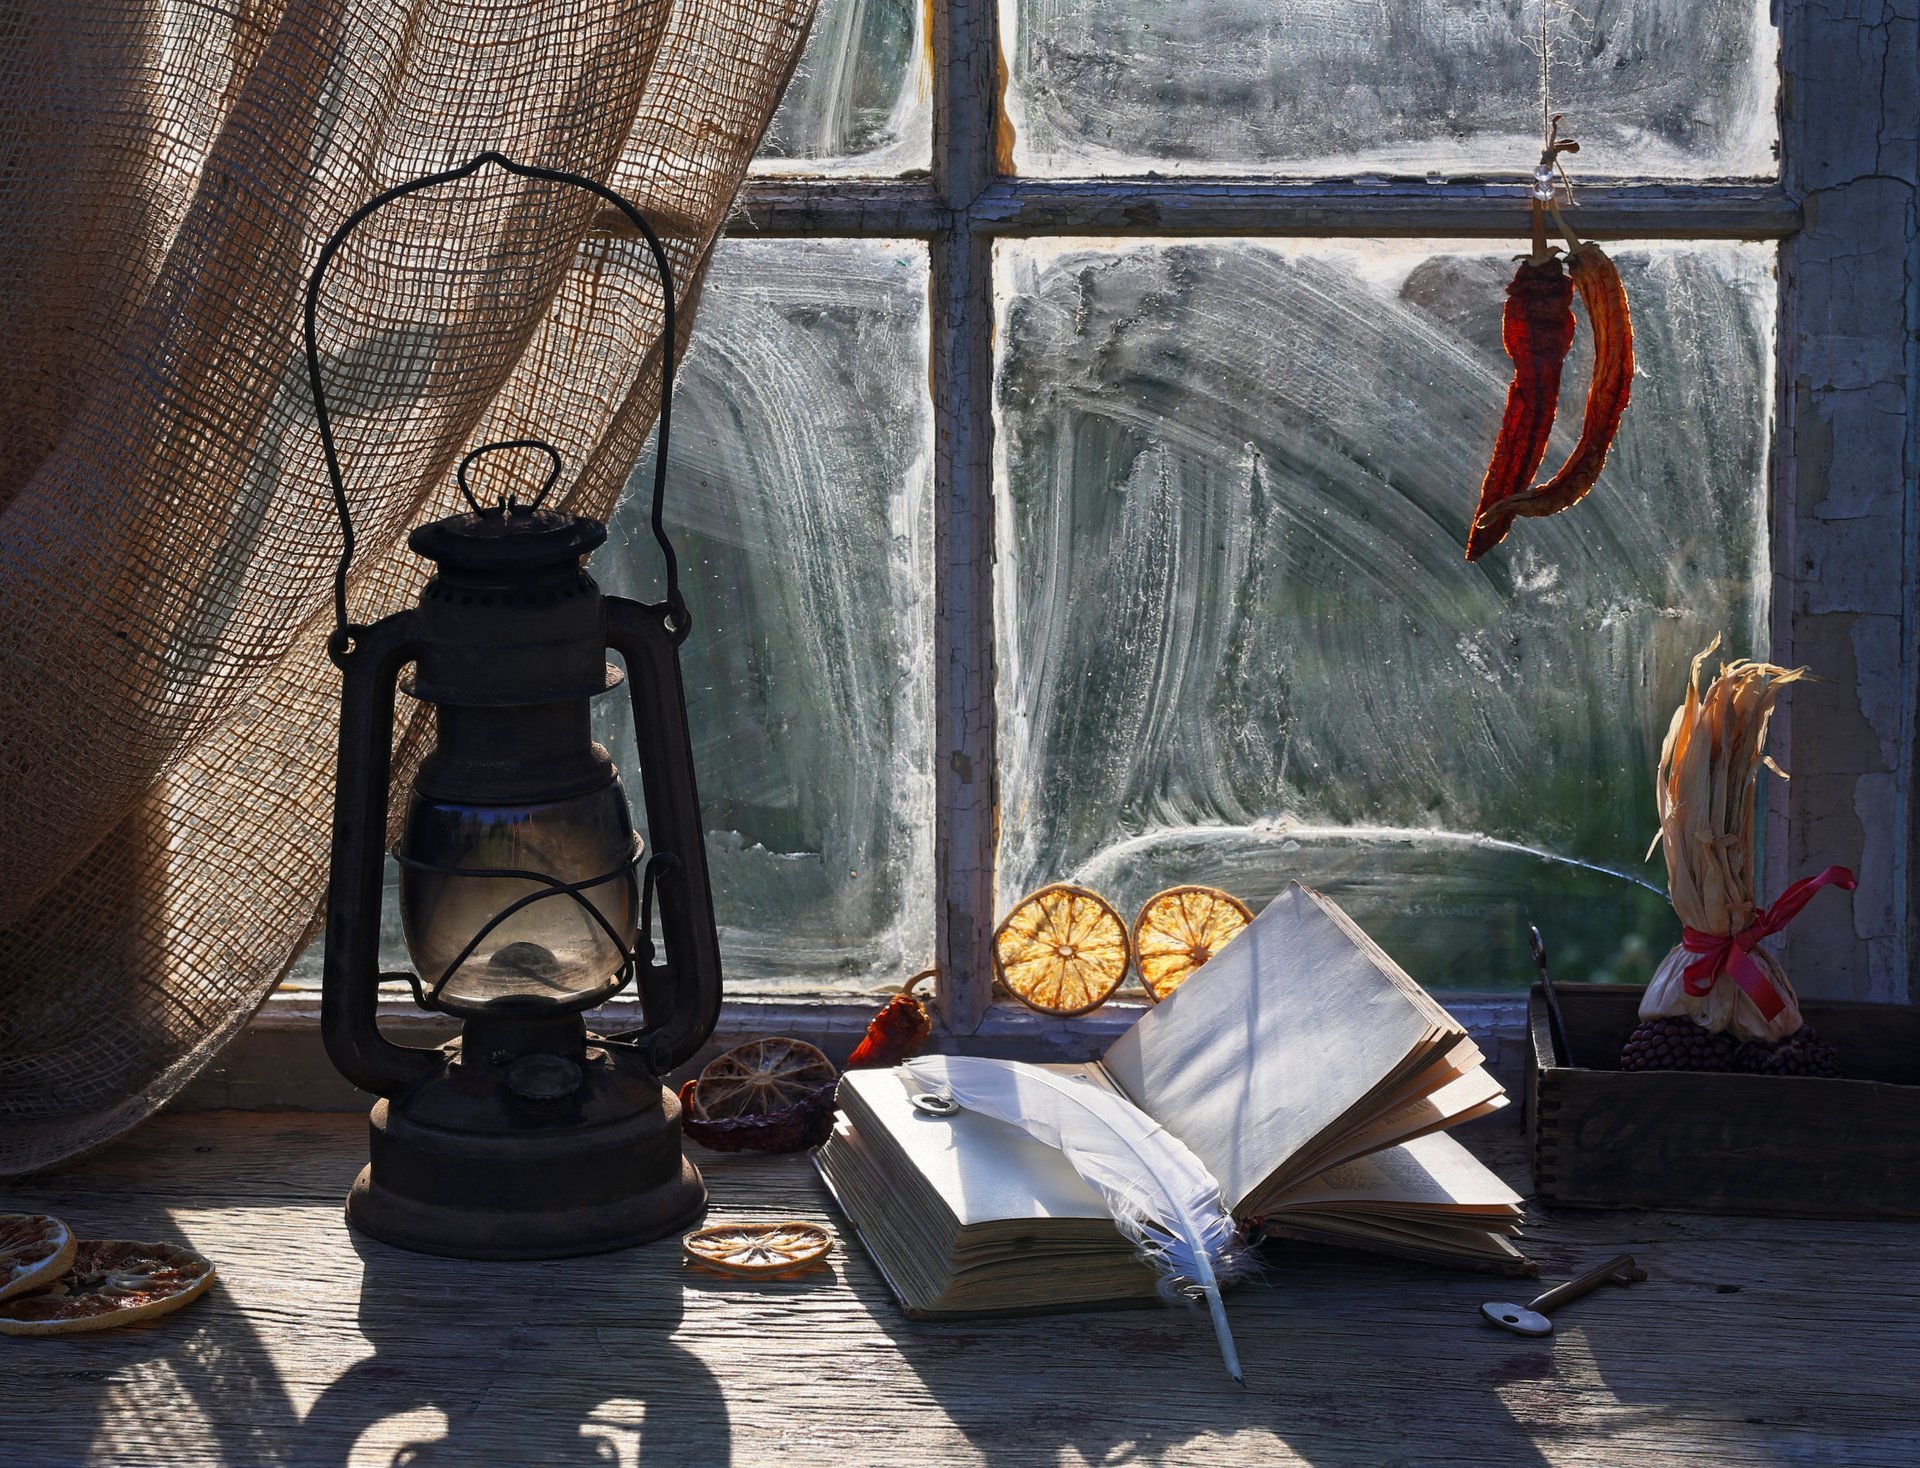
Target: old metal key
{"type": "Point", "coordinates": [1531, 1318]}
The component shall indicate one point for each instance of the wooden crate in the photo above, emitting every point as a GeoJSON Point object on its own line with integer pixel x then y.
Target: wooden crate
{"type": "Point", "coordinates": [1712, 1143]}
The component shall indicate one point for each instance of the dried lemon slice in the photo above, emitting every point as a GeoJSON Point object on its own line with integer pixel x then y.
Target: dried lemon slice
{"type": "Point", "coordinates": [760, 1078]}
{"type": "Point", "coordinates": [1062, 950]}
{"type": "Point", "coordinates": [1180, 929]}
{"type": "Point", "coordinates": [758, 1248]}
{"type": "Point", "coordinates": [110, 1282]}
{"type": "Point", "coordinates": [35, 1250]}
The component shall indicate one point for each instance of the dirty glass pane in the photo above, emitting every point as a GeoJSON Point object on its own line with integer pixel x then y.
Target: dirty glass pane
{"type": "Point", "coordinates": [1416, 87]}
{"type": "Point", "coordinates": [1238, 641]}
{"type": "Point", "coordinates": [800, 503]}
{"type": "Point", "coordinates": [307, 968]}
{"type": "Point", "coordinates": [860, 100]}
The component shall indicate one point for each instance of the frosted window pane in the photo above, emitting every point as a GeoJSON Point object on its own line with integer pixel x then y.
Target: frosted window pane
{"type": "Point", "coordinates": [800, 501]}
{"type": "Point", "coordinates": [1657, 87]}
{"type": "Point", "coordinates": [860, 99]}
{"type": "Point", "coordinates": [1238, 642]}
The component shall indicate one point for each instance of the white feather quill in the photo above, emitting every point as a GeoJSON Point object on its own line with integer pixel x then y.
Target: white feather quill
{"type": "Point", "coordinates": [1162, 1197]}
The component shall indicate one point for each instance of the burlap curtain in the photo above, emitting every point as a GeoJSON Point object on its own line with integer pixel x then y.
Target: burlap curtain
{"type": "Point", "coordinates": [166, 536]}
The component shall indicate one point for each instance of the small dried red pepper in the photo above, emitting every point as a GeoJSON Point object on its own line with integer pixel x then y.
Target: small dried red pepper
{"type": "Point", "coordinates": [1605, 299]}
{"type": "Point", "coordinates": [897, 1033]}
{"type": "Point", "coordinates": [1537, 330]}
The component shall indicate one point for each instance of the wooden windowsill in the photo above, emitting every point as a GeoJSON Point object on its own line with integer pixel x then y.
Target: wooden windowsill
{"type": "Point", "coordinates": [279, 1061]}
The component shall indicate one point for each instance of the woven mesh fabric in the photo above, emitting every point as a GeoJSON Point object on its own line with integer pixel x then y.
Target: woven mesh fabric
{"type": "Point", "coordinates": [167, 710]}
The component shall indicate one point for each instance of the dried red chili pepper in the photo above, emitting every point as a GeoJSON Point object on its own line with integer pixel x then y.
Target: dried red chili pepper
{"type": "Point", "coordinates": [1536, 329]}
{"type": "Point", "coordinates": [897, 1033]}
{"type": "Point", "coordinates": [1605, 299]}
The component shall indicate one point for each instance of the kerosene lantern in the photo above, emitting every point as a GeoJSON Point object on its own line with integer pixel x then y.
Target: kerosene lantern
{"type": "Point", "coordinates": [525, 896]}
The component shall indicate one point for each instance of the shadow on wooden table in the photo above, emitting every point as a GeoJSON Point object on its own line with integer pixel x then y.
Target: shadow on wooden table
{"type": "Point", "coordinates": [180, 1389]}
{"type": "Point", "coordinates": [537, 1371]}
{"type": "Point", "coordinates": [465, 1369]}
{"type": "Point", "coordinates": [1348, 1361]}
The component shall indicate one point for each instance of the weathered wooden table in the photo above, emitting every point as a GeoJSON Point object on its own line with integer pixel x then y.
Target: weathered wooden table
{"type": "Point", "coordinates": [1753, 1341]}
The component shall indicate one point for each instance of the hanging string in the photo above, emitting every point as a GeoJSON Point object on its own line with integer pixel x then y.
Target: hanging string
{"type": "Point", "coordinates": [1546, 106]}
{"type": "Point", "coordinates": [1552, 145]}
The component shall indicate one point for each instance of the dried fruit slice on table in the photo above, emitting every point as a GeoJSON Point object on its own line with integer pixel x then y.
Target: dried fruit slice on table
{"type": "Point", "coordinates": [110, 1282]}
{"type": "Point", "coordinates": [802, 1125]}
{"type": "Point", "coordinates": [35, 1250]}
{"type": "Point", "coordinates": [1180, 929]}
{"type": "Point", "coordinates": [760, 1078]}
{"type": "Point", "coordinates": [758, 1248]}
{"type": "Point", "coordinates": [1062, 950]}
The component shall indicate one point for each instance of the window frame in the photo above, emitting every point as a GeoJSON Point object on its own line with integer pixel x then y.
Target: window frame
{"type": "Point", "coordinates": [1843, 551]}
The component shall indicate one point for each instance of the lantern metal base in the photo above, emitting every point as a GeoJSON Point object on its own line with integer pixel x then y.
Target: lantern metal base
{"type": "Point", "coordinates": [456, 1233]}
{"type": "Point", "coordinates": [461, 1171]}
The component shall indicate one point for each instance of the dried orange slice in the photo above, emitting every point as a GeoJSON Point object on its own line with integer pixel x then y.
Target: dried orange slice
{"type": "Point", "coordinates": [110, 1282]}
{"type": "Point", "coordinates": [760, 1078]}
{"type": "Point", "coordinates": [1062, 950]}
{"type": "Point", "coordinates": [1180, 929]}
{"type": "Point", "coordinates": [758, 1248]}
{"type": "Point", "coordinates": [35, 1250]}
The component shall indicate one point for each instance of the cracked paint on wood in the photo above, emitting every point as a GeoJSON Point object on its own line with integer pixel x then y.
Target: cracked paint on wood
{"type": "Point", "coordinates": [1844, 517]}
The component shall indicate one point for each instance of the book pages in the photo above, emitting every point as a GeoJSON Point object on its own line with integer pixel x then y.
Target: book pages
{"type": "Point", "coordinates": [1429, 1173]}
{"type": "Point", "coordinates": [992, 1267]}
{"type": "Point", "coordinates": [1282, 1038]}
{"type": "Point", "coordinates": [981, 1169]}
{"type": "Point", "coordinates": [1459, 1097]}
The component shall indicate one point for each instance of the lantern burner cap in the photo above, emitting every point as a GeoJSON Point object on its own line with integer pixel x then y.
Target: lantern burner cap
{"type": "Point", "coordinates": [543, 1080]}
{"type": "Point", "coordinates": [508, 539]}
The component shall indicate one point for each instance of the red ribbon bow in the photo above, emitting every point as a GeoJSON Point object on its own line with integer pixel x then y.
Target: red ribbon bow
{"type": "Point", "coordinates": [1733, 952]}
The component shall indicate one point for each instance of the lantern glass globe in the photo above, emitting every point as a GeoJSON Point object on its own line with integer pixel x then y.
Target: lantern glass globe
{"type": "Point", "coordinates": [551, 950]}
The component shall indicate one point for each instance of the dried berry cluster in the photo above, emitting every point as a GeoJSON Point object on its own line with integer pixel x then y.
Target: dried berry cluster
{"type": "Point", "coordinates": [1678, 1044]}
{"type": "Point", "coordinates": [1673, 1043]}
{"type": "Point", "coordinates": [1803, 1053]}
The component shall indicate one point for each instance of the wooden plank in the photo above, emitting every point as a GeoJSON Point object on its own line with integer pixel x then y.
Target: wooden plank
{"type": "Point", "coordinates": [887, 208]}
{"type": "Point", "coordinates": [966, 828]}
{"type": "Point", "coordinates": [966, 825]}
{"type": "Point", "coordinates": [278, 1060]}
{"type": "Point", "coordinates": [1873, 1041]}
{"type": "Point", "coordinates": [1728, 1143]}
{"type": "Point", "coordinates": [320, 1349]}
{"type": "Point", "coordinates": [892, 208]}
{"type": "Point", "coordinates": [1332, 207]}
{"type": "Point", "coordinates": [1846, 508]}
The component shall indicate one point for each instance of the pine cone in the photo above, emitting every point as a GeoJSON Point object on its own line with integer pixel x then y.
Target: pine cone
{"type": "Point", "coordinates": [1803, 1053]}
{"type": "Point", "coordinates": [1671, 1043]}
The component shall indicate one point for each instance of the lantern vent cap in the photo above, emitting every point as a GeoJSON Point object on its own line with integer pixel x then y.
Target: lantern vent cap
{"type": "Point", "coordinates": [502, 539]}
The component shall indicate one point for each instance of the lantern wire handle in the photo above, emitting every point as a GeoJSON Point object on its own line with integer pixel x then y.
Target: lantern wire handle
{"type": "Point", "coordinates": [340, 644]}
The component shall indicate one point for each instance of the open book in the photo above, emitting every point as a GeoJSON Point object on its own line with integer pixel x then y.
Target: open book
{"type": "Point", "coordinates": [1307, 1071]}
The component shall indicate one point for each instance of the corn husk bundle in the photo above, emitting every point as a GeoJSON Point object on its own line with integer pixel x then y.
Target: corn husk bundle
{"type": "Point", "coordinates": [1704, 788]}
